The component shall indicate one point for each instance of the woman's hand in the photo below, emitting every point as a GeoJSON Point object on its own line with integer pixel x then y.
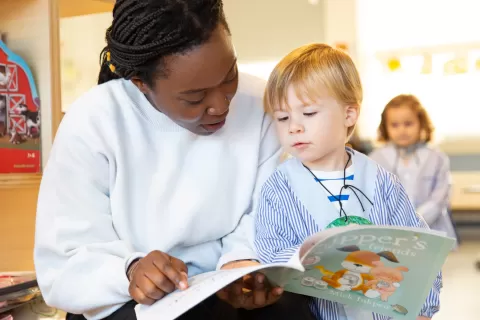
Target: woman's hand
{"type": "Point", "coordinates": [251, 292]}
{"type": "Point", "coordinates": [155, 276]}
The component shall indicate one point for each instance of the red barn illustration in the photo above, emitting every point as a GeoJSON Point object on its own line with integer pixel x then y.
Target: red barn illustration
{"type": "Point", "coordinates": [19, 116]}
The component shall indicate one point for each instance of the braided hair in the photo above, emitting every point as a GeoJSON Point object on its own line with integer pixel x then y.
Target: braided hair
{"type": "Point", "coordinates": [144, 32]}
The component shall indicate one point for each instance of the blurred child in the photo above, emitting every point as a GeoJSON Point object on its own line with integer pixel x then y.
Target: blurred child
{"type": "Point", "coordinates": [423, 170]}
{"type": "Point", "coordinates": [315, 95]}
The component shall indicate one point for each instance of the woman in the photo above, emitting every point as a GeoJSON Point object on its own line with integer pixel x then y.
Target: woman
{"type": "Point", "coordinates": [148, 179]}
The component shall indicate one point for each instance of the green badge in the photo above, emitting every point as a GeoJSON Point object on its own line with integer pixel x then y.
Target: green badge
{"type": "Point", "coordinates": [340, 222]}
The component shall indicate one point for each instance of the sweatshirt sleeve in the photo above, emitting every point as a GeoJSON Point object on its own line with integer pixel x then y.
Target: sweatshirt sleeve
{"type": "Point", "coordinates": [79, 259]}
{"type": "Point", "coordinates": [238, 245]}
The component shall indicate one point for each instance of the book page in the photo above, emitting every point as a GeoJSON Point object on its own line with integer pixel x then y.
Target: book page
{"type": "Point", "coordinates": [200, 288]}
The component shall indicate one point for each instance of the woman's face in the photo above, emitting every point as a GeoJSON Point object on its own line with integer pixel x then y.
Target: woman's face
{"type": "Point", "coordinates": [199, 86]}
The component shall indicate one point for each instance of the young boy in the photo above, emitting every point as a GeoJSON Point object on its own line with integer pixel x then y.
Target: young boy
{"type": "Point", "coordinates": [314, 95]}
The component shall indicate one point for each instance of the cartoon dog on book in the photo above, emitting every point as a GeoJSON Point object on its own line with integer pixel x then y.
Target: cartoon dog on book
{"type": "Point", "coordinates": [356, 269]}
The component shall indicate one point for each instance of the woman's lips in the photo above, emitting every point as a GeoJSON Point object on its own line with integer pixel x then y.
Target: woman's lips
{"type": "Point", "coordinates": [214, 126]}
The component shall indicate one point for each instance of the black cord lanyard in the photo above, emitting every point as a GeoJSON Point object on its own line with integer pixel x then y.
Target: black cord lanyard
{"type": "Point", "coordinates": [344, 187]}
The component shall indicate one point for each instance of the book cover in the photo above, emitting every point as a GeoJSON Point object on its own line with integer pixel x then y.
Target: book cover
{"type": "Point", "coordinates": [389, 271]}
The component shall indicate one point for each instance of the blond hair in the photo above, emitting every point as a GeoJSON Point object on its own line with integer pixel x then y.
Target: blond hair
{"type": "Point", "coordinates": [309, 66]}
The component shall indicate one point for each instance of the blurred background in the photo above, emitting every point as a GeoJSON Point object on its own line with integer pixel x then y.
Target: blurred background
{"type": "Point", "coordinates": [429, 48]}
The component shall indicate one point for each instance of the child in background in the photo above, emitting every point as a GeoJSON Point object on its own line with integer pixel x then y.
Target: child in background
{"type": "Point", "coordinates": [423, 170]}
{"type": "Point", "coordinates": [314, 95]}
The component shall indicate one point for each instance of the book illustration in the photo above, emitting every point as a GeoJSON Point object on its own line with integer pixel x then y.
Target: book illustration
{"type": "Point", "coordinates": [357, 267]}
{"type": "Point", "coordinates": [362, 272]}
{"type": "Point", "coordinates": [313, 282]}
{"type": "Point", "coordinates": [310, 262]}
{"type": "Point", "coordinates": [385, 281]}
{"type": "Point", "coordinates": [3, 114]}
{"type": "Point", "coordinates": [399, 309]}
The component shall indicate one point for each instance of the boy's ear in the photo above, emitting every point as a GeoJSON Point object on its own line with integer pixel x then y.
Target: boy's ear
{"type": "Point", "coordinates": [351, 115]}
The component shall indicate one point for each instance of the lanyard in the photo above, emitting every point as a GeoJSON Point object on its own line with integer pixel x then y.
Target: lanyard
{"type": "Point", "coordinates": [344, 187]}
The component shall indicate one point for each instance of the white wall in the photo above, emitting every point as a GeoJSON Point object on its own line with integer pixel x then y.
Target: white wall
{"type": "Point", "coordinates": [390, 25]}
{"type": "Point", "coordinates": [266, 30]}
{"type": "Point", "coordinates": [340, 23]}
{"type": "Point", "coordinates": [82, 39]}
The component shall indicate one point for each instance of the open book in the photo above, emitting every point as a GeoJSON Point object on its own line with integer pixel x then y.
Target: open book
{"type": "Point", "coordinates": [384, 269]}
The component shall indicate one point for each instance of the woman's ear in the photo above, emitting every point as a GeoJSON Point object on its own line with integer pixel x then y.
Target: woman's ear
{"type": "Point", "coordinates": [142, 86]}
{"type": "Point", "coordinates": [351, 115]}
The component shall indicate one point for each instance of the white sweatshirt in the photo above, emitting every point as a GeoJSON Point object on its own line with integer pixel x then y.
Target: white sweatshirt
{"type": "Point", "coordinates": [123, 180]}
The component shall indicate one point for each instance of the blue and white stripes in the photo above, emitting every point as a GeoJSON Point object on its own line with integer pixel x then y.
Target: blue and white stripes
{"type": "Point", "coordinates": [282, 223]}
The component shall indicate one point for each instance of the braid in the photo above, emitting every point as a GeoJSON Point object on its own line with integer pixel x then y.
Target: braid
{"type": "Point", "coordinates": [143, 32]}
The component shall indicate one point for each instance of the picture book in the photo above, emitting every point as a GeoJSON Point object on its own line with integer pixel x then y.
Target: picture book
{"type": "Point", "coordinates": [383, 269]}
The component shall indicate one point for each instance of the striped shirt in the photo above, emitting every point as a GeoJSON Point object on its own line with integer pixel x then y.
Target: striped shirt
{"type": "Point", "coordinates": [282, 224]}
{"type": "Point", "coordinates": [333, 182]}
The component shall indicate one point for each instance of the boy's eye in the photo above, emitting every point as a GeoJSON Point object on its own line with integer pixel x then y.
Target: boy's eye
{"type": "Point", "coordinates": [309, 114]}
{"type": "Point", "coordinates": [282, 119]}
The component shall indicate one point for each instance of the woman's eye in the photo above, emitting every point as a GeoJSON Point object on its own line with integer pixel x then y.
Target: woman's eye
{"type": "Point", "coordinates": [309, 114]}
{"type": "Point", "coordinates": [232, 77]}
{"type": "Point", "coordinates": [193, 103]}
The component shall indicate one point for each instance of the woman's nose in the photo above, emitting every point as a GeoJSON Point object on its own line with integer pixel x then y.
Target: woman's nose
{"type": "Point", "coordinates": [220, 106]}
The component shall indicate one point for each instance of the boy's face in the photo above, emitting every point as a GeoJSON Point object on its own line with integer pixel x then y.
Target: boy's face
{"type": "Point", "coordinates": [311, 132]}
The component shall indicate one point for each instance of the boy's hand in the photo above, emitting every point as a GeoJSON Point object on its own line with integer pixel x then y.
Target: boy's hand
{"type": "Point", "coordinates": [239, 264]}
{"type": "Point", "coordinates": [251, 292]}
{"type": "Point", "coordinates": [423, 318]}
